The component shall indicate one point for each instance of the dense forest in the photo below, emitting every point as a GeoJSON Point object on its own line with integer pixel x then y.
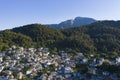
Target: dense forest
{"type": "Point", "coordinates": [99, 37]}
{"type": "Point", "coordinates": [9, 38]}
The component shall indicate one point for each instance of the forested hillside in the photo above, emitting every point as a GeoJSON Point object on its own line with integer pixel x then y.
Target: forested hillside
{"type": "Point", "coordinates": [8, 38]}
{"type": "Point", "coordinates": [42, 35]}
{"type": "Point", "coordinates": [98, 37]}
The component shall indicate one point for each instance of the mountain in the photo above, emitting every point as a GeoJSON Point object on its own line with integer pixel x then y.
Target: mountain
{"type": "Point", "coordinates": [50, 37]}
{"type": "Point", "coordinates": [105, 35]}
{"type": "Point", "coordinates": [101, 37]}
{"type": "Point", "coordinates": [78, 21]}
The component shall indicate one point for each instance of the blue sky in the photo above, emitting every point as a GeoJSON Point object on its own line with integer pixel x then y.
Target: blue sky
{"type": "Point", "coordinates": [14, 13]}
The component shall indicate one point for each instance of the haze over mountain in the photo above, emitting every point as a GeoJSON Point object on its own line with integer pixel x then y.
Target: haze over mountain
{"type": "Point", "coordinates": [78, 21]}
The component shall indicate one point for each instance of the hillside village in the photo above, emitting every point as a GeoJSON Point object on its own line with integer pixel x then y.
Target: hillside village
{"type": "Point", "coordinates": [18, 63]}
{"type": "Point", "coordinates": [59, 39]}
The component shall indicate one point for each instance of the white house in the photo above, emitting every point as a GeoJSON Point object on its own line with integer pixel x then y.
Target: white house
{"type": "Point", "coordinates": [20, 75]}
{"type": "Point", "coordinates": [118, 60]}
{"type": "Point", "coordinates": [1, 58]}
{"type": "Point", "coordinates": [1, 68]}
{"type": "Point", "coordinates": [28, 72]}
{"type": "Point", "coordinates": [67, 70]}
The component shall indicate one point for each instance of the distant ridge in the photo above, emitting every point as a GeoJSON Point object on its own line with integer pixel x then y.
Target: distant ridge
{"type": "Point", "coordinates": [78, 21]}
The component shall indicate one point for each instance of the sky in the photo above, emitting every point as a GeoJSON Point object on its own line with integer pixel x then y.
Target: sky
{"type": "Point", "coordinates": [15, 13]}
